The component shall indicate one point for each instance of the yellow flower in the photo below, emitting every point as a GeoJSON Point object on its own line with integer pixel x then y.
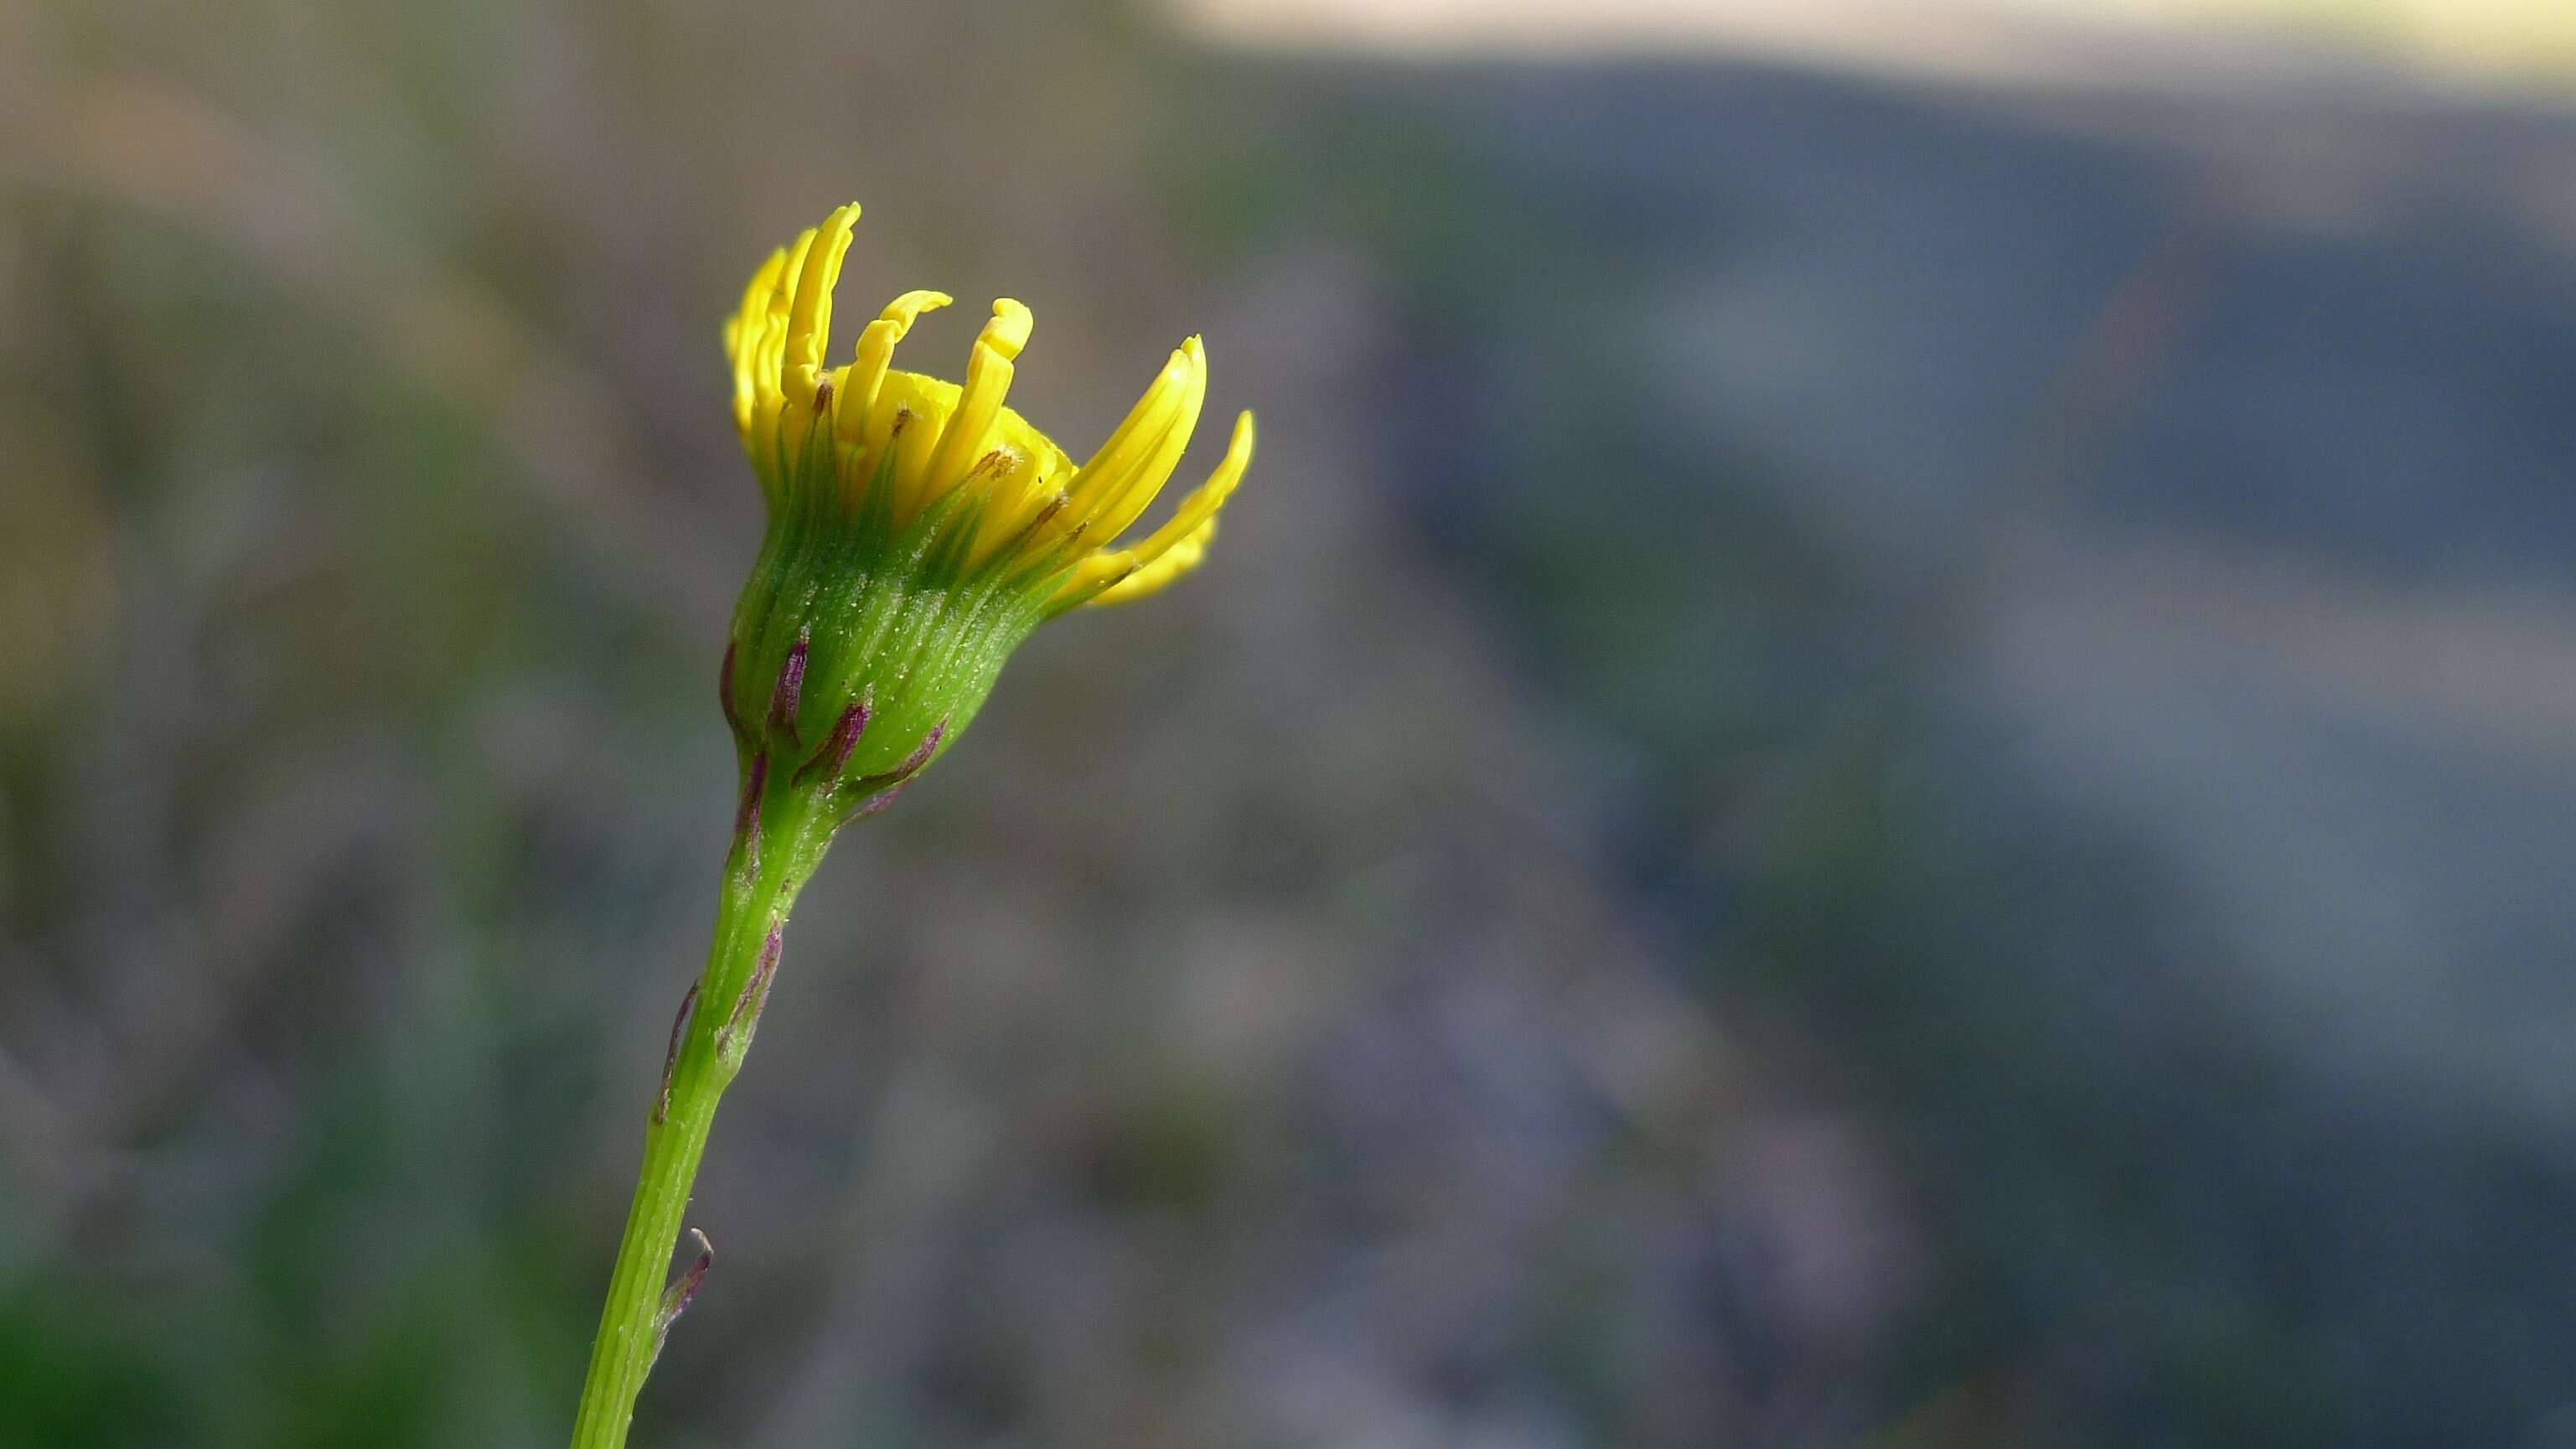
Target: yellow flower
{"type": "Point", "coordinates": [918, 531]}
{"type": "Point", "coordinates": [871, 435]}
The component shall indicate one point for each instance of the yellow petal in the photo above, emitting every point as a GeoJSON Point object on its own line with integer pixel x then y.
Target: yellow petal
{"type": "Point", "coordinates": [1125, 498]}
{"type": "Point", "coordinates": [876, 350]}
{"type": "Point", "coordinates": [916, 438]}
{"type": "Point", "coordinates": [782, 298]}
{"type": "Point", "coordinates": [742, 336]}
{"type": "Point", "coordinates": [988, 381]}
{"type": "Point", "coordinates": [1199, 509]}
{"type": "Point", "coordinates": [809, 318]}
{"type": "Point", "coordinates": [1134, 438]}
{"type": "Point", "coordinates": [1152, 578]}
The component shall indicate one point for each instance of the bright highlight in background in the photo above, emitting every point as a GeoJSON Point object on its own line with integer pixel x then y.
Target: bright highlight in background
{"type": "Point", "coordinates": [2491, 41]}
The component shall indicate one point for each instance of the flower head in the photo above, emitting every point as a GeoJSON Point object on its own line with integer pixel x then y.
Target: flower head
{"type": "Point", "coordinates": [867, 436]}
{"type": "Point", "coordinates": [919, 528]}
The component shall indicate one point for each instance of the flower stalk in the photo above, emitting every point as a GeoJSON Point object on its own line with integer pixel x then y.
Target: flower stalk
{"type": "Point", "coordinates": [777, 841]}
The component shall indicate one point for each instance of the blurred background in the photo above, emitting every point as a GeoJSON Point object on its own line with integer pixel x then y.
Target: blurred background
{"type": "Point", "coordinates": [1883, 754]}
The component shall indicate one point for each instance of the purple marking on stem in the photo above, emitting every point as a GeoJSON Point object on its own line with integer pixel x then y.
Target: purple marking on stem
{"type": "Point", "coordinates": [724, 693]}
{"type": "Point", "coordinates": [823, 396]}
{"type": "Point", "coordinates": [836, 750]}
{"type": "Point", "coordinates": [671, 1058]}
{"type": "Point", "coordinates": [746, 816]}
{"type": "Point", "coordinates": [877, 802]}
{"type": "Point", "coordinates": [790, 689]}
{"type": "Point", "coordinates": [755, 992]}
{"type": "Point", "coordinates": [913, 762]}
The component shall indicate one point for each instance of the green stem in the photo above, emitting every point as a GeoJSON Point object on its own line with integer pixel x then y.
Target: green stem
{"type": "Point", "coordinates": [709, 1049]}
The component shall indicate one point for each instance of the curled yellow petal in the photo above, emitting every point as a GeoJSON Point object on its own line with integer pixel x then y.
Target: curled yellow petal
{"type": "Point", "coordinates": [1125, 498]}
{"type": "Point", "coordinates": [809, 317]}
{"type": "Point", "coordinates": [782, 298]}
{"type": "Point", "coordinates": [1151, 578]}
{"type": "Point", "coordinates": [1133, 440]}
{"type": "Point", "coordinates": [742, 338]}
{"type": "Point", "coordinates": [1200, 508]}
{"type": "Point", "coordinates": [979, 403]}
{"type": "Point", "coordinates": [876, 350]}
